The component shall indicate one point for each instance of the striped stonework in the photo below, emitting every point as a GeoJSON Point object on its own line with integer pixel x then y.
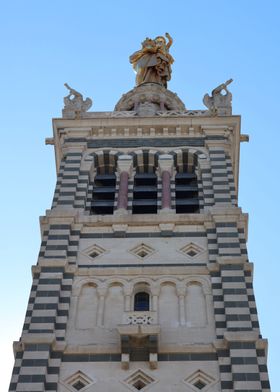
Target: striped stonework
{"type": "Point", "coordinates": [173, 194]}
{"type": "Point", "coordinates": [235, 297]}
{"type": "Point", "coordinates": [242, 241]}
{"type": "Point", "coordinates": [225, 369]}
{"type": "Point", "coordinates": [37, 365]}
{"type": "Point", "coordinates": [207, 185]}
{"type": "Point", "coordinates": [218, 304]}
{"type": "Point", "coordinates": [244, 366]}
{"type": "Point", "coordinates": [212, 242]}
{"type": "Point", "coordinates": [36, 368]}
{"type": "Point", "coordinates": [55, 241]}
{"type": "Point", "coordinates": [68, 179]}
{"type": "Point", "coordinates": [89, 196]}
{"type": "Point", "coordinates": [228, 239]}
{"type": "Point", "coordinates": [232, 189]}
{"type": "Point", "coordinates": [130, 192]}
{"type": "Point", "coordinates": [49, 302]}
{"type": "Point", "coordinates": [200, 194]}
{"type": "Point", "coordinates": [219, 173]}
{"type": "Point", "coordinates": [196, 326]}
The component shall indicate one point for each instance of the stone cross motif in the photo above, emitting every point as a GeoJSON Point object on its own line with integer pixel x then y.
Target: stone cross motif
{"type": "Point", "coordinates": [74, 104]}
{"type": "Point", "coordinates": [219, 104]}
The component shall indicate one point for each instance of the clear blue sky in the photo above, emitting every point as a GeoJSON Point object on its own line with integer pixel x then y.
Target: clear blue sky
{"type": "Point", "coordinates": [87, 44]}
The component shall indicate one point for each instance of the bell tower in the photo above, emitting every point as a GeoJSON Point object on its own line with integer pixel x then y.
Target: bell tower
{"type": "Point", "coordinates": [143, 281]}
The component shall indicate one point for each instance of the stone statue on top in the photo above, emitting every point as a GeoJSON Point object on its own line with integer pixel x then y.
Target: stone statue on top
{"type": "Point", "coordinates": [152, 63]}
{"type": "Point", "coordinates": [219, 103]}
{"type": "Point", "coordinates": [74, 103]}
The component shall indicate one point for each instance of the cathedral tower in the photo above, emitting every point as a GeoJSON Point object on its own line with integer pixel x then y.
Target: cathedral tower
{"type": "Point", "coordinates": [143, 280]}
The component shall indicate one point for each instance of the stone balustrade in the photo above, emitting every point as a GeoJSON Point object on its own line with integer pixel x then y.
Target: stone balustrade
{"type": "Point", "coordinates": [139, 318]}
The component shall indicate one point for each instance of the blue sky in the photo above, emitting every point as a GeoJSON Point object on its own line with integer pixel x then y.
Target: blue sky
{"type": "Point", "coordinates": [87, 44]}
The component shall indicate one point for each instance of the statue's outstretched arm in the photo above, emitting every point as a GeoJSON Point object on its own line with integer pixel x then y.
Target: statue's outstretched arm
{"type": "Point", "coordinates": [170, 40]}
{"type": "Point", "coordinates": [221, 87]}
{"type": "Point", "coordinates": [72, 91]}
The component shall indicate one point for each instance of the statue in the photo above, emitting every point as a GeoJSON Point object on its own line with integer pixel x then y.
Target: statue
{"type": "Point", "coordinates": [153, 62]}
{"type": "Point", "coordinates": [219, 104]}
{"type": "Point", "coordinates": [74, 104]}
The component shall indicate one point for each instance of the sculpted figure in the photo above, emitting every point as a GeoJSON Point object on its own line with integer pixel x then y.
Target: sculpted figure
{"type": "Point", "coordinates": [218, 103]}
{"type": "Point", "coordinates": [153, 62]}
{"type": "Point", "coordinates": [74, 102]}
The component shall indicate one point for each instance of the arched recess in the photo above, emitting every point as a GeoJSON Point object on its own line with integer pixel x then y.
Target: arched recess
{"type": "Point", "coordinates": [187, 181]}
{"type": "Point", "coordinates": [114, 305]}
{"type": "Point", "coordinates": [104, 181]}
{"type": "Point", "coordinates": [87, 306]}
{"type": "Point", "coordinates": [168, 305]}
{"type": "Point", "coordinates": [141, 300]}
{"type": "Point", "coordinates": [195, 305]}
{"type": "Point", "coordinates": [145, 183]}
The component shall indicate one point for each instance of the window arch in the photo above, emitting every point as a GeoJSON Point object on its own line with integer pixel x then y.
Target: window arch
{"type": "Point", "coordinates": [103, 194]}
{"type": "Point", "coordinates": [186, 190]}
{"type": "Point", "coordinates": [144, 193]}
{"type": "Point", "coordinates": [141, 301]}
{"type": "Point", "coordinates": [186, 184]}
{"type": "Point", "coordinates": [145, 183]}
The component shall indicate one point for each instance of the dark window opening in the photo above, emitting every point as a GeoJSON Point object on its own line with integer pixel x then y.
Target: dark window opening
{"type": "Point", "coordinates": [139, 385]}
{"type": "Point", "coordinates": [145, 194]}
{"type": "Point", "coordinates": [199, 384]}
{"type": "Point", "coordinates": [186, 191]}
{"type": "Point", "coordinates": [103, 194]}
{"type": "Point", "coordinates": [139, 350]}
{"type": "Point", "coordinates": [78, 385]}
{"type": "Point", "coordinates": [142, 302]}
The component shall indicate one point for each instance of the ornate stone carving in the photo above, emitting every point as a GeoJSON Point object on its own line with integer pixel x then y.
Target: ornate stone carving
{"type": "Point", "coordinates": [183, 113]}
{"type": "Point", "coordinates": [136, 318]}
{"type": "Point", "coordinates": [147, 99]}
{"type": "Point", "coordinates": [152, 62]}
{"type": "Point", "coordinates": [74, 104]}
{"type": "Point", "coordinates": [219, 104]}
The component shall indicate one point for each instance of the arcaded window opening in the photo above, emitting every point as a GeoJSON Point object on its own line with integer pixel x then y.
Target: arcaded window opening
{"type": "Point", "coordinates": [145, 193]}
{"type": "Point", "coordinates": [186, 193]}
{"type": "Point", "coordinates": [141, 301]}
{"type": "Point", "coordinates": [103, 194]}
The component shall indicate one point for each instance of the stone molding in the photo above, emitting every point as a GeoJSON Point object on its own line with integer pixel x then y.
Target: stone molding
{"type": "Point", "coordinates": [148, 98]}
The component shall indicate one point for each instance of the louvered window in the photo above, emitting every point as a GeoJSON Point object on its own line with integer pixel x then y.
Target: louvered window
{"type": "Point", "coordinates": [145, 194]}
{"type": "Point", "coordinates": [103, 195]}
{"type": "Point", "coordinates": [186, 191]}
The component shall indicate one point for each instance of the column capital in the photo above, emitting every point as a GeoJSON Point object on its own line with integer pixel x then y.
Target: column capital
{"type": "Point", "coordinates": [181, 290]}
{"type": "Point", "coordinates": [102, 291]}
{"type": "Point", "coordinates": [166, 163]}
{"type": "Point", "coordinates": [125, 164]}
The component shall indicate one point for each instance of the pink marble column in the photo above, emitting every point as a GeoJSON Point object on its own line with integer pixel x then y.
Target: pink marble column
{"type": "Point", "coordinates": [165, 164]}
{"type": "Point", "coordinates": [123, 190]}
{"type": "Point", "coordinates": [166, 191]}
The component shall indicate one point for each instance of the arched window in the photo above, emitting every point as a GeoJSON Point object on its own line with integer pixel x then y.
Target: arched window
{"type": "Point", "coordinates": [145, 193]}
{"type": "Point", "coordinates": [103, 195]}
{"type": "Point", "coordinates": [104, 185]}
{"type": "Point", "coordinates": [186, 191]}
{"type": "Point", "coordinates": [186, 184]}
{"type": "Point", "coordinates": [141, 301]}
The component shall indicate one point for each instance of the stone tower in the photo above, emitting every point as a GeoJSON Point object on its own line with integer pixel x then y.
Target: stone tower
{"type": "Point", "coordinates": [143, 280]}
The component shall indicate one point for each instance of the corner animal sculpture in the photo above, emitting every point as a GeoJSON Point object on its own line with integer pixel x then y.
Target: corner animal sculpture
{"type": "Point", "coordinates": [153, 62]}
{"type": "Point", "coordinates": [74, 101]}
{"type": "Point", "coordinates": [219, 103]}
